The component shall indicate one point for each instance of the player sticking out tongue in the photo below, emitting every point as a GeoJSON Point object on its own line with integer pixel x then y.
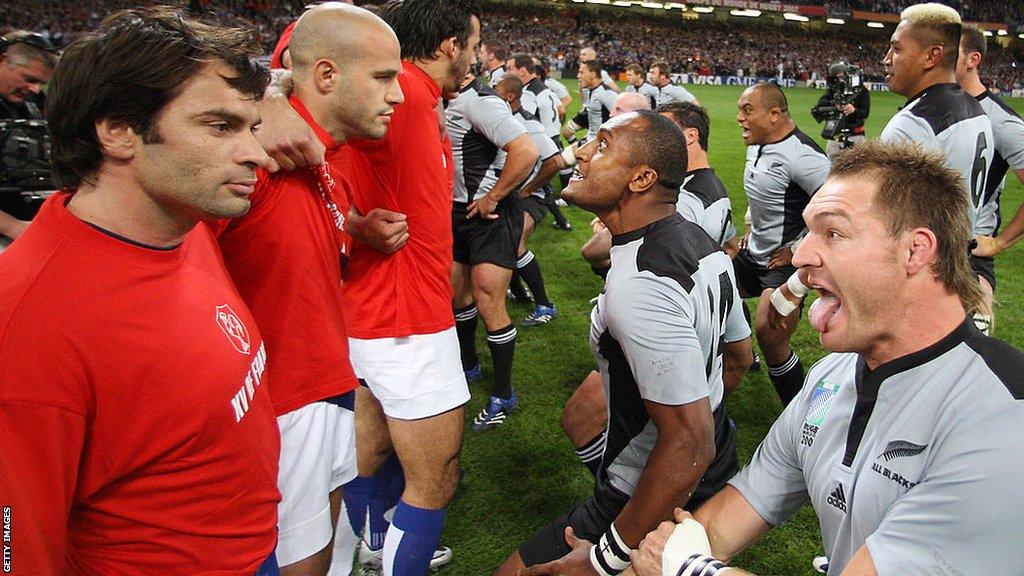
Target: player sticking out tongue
{"type": "Point", "coordinates": [823, 309]}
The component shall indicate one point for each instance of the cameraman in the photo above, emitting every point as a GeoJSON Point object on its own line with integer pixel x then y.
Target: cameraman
{"type": "Point", "coordinates": [26, 63]}
{"type": "Point", "coordinates": [846, 101]}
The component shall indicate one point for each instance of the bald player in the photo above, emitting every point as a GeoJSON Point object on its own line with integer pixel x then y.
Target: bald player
{"type": "Point", "coordinates": [1008, 132]}
{"type": "Point", "coordinates": [284, 255]}
{"type": "Point", "coordinates": [939, 115]}
{"type": "Point", "coordinates": [784, 169]}
{"type": "Point", "coordinates": [630, 102]}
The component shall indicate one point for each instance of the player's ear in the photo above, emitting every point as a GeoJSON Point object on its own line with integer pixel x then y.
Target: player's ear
{"type": "Point", "coordinates": [325, 75]}
{"type": "Point", "coordinates": [448, 47]}
{"type": "Point", "coordinates": [933, 56]}
{"type": "Point", "coordinates": [975, 59]}
{"type": "Point", "coordinates": [117, 139]}
{"type": "Point", "coordinates": [644, 178]}
{"type": "Point", "coordinates": [922, 248]}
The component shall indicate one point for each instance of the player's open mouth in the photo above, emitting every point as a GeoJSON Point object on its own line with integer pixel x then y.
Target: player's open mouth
{"type": "Point", "coordinates": [823, 309]}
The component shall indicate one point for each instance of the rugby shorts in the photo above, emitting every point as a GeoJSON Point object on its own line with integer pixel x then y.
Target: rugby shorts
{"type": "Point", "coordinates": [412, 377]}
{"type": "Point", "coordinates": [318, 454]}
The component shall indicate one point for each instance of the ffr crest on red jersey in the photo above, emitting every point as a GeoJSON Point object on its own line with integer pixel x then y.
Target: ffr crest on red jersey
{"type": "Point", "coordinates": [233, 328]}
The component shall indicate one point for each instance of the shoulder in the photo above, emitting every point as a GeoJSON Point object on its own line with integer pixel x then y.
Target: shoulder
{"type": "Point", "coordinates": [675, 248]}
{"type": "Point", "coordinates": [806, 143]}
{"type": "Point", "coordinates": [945, 105]}
{"type": "Point", "coordinates": [905, 125]}
{"type": "Point", "coordinates": [998, 110]}
{"type": "Point", "coordinates": [1005, 363]}
{"type": "Point", "coordinates": [705, 185]}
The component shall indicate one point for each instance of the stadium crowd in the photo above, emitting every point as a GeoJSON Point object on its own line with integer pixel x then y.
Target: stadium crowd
{"type": "Point", "coordinates": [622, 38]}
{"type": "Point", "coordinates": [259, 292]}
{"type": "Point", "coordinates": [976, 11]}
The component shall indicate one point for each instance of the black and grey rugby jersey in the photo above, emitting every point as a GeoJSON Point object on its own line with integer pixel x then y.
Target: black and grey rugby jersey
{"type": "Point", "coordinates": [657, 332]}
{"type": "Point", "coordinates": [650, 91]}
{"type": "Point", "coordinates": [920, 458]}
{"type": "Point", "coordinates": [946, 119]}
{"type": "Point", "coordinates": [779, 180]}
{"type": "Point", "coordinates": [597, 109]}
{"type": "Point", "coordinates": [542, 141]}
{"type": "Point", "coordinates": [496, 75]}
{"type": "Point", "coordinates": [673, 93]}
{"type": "Point", "coordinates": [1008, 131]}
{"type": "Point", "coordinates": [541, 102]}
{"type": "Point", "coordinates": [480, 124]}
{"type": "Point", "coordinates": [704, 201]}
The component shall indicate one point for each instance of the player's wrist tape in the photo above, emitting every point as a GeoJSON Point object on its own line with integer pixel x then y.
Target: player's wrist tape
{"type": "Point", "coordinates": [781, 303]}
{"type": "Point", "coordinates": [701, 565]}
{"type": "Point", "coordinates": [796, 286]}
{"type": "Point", "coordinates": [569, 155]}
{"type": "Point", "coordinates": [611, 555]}
{"type": "Point", "coordinates": [573, 126]}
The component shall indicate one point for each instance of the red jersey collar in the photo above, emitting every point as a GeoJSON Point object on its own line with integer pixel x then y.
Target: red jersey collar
{"type": "Point", "coordinates": [414, 70]}
{"type": "Point", "coordinates": [322, 134]}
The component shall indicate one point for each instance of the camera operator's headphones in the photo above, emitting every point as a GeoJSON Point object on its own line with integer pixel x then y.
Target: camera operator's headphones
{"type": "Point", "coordinates": [37, 41]}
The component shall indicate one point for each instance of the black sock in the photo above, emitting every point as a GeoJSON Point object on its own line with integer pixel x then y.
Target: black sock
{"type": "Point", "coordinates": [556, 212]}
{"type": "Point", "coordinates": [591, 452]}
{"type": "Point", "coordinates": [465, 328]}
{"type": "Point", "coordinates": [529, 269]}
{"type": "Point", "coordinates": [502, 343]}
{"type": "Point", "coordinates": [516, 286]}
{"type": "Point", "coordinates": [788, 378]}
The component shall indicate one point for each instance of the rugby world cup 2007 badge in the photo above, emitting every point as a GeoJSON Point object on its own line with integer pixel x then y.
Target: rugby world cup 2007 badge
{"type": "Point", "coordinates": [822, 398]}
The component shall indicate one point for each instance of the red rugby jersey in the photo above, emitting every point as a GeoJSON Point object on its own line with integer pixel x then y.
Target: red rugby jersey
{"type": "Point", "coordinates": [285, 256]}
{"type": "Point", "coordinates": [409, 171]}
{"type": "Point", "coordinates": [136, 431]}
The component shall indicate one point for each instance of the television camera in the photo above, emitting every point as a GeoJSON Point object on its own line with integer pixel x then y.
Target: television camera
{"type": "Point", "coordinates": [842, 87]}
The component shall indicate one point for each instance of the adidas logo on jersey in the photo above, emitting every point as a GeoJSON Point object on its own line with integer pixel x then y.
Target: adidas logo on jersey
{"type": "Point", "coordinates": [838, 498]}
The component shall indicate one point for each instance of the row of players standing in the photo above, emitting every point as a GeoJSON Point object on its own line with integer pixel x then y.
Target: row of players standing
{"type": "Point", "coordinates": [197, 411]}
{"type": "Point", "coordinates": [784, 169]}
{"type": "Point", "coordinates": [431, 472]}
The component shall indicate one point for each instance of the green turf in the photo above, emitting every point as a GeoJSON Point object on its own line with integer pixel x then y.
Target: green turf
{"type": "Point", "coordinates": [524, 474]}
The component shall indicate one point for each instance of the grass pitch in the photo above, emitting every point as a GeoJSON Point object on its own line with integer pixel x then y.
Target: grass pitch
{"type": "Point", "coordinates": [524, 474]}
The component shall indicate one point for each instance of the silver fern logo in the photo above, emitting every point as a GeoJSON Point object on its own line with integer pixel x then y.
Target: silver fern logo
{"type": "Point", "coordinates": [901, 449]}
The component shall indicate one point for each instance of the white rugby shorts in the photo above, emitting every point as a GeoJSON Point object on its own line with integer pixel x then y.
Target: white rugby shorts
{"type": "Point", "coordinates": [318, 454]}
{"type": "Point", "coordinates": [412, 377]}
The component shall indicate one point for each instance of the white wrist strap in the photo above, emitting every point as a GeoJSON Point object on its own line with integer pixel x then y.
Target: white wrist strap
{"type": "Point", "coordinates": [701, 565]}
{"type": "Point", "coordinates": [569, 155]}
{"type": "Point", "coordinates": [781, 303]}
{"type": "Point", "coordinates": [796, 286]}
{"type": "Point", "coordinates": [611, 555]}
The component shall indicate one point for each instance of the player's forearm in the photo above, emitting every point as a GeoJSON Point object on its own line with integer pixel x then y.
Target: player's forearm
{"type": "Point", "coordinates": [731, 522]}
{"type": "Point", "coordinates": [735, 363]}
{"type": "Point", "coordinates": [518, 165]}
{"type": "Point", "coordinates": [673, 470]}
{"type": "Point", "coordinates": [10, 226]}
{"type": "Point", "coordinates": [548, 169]}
